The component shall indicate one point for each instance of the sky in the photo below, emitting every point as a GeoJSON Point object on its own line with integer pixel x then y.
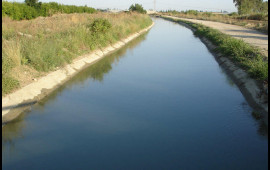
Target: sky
{"type": "Point", "coordinates": [204, 5]}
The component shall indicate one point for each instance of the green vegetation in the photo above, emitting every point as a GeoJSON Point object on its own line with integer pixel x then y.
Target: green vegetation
{"type": "Point", "coordinates": [8, 82]}
{"type": "Point", "coordinates": [32, 9]}
{"type": "Point", "coordinates": [137, 8]}
{"type": "Point", "coordinates": [44, 44]}
{"type": "Point", "coordinates": [100, 26]}
{"type": "Point", "coordinates": [251, 6]}
{"type": "Point", "coordinates": [247, 57]}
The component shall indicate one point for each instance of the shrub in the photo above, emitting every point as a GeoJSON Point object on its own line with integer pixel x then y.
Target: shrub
{"type": "Point", "coordinates": [100, 25]}
{"type": "Point", "coordinates": [192, 12]}
{"type": "Point", "coordinates": [137, 8]}
{"type": "Point", "coordinates": [233, 14]}
{"type": "Point", "coordinates": [258, 17]}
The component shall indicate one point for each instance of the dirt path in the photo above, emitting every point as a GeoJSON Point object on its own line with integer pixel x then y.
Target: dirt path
{"type": "Point", "coordinates": [250, 36]}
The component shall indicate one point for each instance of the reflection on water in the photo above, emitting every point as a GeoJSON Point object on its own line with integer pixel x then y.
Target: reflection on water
{"type": "Point", "coordinates": [12, 130]}
{"type": "Point", "coordinates": [99, 69]}
{"type": "Point", "coordinates": [262, 127]}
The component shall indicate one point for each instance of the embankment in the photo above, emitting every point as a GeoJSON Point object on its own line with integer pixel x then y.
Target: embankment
{"type": "Point", "coordinates": [15, 103]}
{"type": "Point", "coordinates": [254, 90]}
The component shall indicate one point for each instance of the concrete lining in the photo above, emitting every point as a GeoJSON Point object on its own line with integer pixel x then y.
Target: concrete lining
{"type": "Point", "coordinates": [20, 100]}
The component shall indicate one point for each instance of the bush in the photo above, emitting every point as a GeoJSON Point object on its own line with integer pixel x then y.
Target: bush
{"type": "Point", "coordinates": [137, 8]}
{"type": "Point", "coordinates": [100, 25]}
{"type": "Point", "coordinates": [192, 12]}
{"type": "Point", "coordinates": [257, 17]}
{"type": "Point", "coordinates": [233, 14]}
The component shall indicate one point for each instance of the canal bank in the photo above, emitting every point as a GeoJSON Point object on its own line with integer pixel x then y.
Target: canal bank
{"type": "Point", "coordinates": [255, 92]}
{"type": "Point", "coordinates": [22, 99]}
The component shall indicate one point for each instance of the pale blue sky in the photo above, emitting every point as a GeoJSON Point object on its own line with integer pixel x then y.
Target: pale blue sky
{"type": "Point", "coordinates": [209, 5]}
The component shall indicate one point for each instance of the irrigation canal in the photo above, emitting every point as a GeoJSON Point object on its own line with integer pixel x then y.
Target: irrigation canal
{"type": "Point", "coordinates": [161, 102]}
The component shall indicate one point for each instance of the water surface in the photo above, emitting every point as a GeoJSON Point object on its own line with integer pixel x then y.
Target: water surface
{"type": "Point", "coordinates": [162, 102]}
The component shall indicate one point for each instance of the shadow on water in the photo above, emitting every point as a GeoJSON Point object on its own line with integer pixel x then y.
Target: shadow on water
{"type": "Point", "coordinates": [262, 127]}
{"type": "Point", "coordinates": [19, 105]}
{"type": "Point", "coordinates": [96, 72]}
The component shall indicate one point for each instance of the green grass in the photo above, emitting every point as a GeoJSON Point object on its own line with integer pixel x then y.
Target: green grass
{"type": "Point", "coordinates": [8, 84]}
{"type": "Point", "coordinates": [244, 55]}
{"type": "Point", "coordinates": [48, 50]}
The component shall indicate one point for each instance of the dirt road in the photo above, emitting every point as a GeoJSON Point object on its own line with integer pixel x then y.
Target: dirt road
{"type": "Point", "coordinates": [250, 36]}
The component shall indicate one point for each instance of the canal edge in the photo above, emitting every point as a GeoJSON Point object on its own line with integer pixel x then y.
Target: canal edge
{"type": "Point", "coordinates": [249, 87]}
{"type": "Point", "coordinates": [15, 103]}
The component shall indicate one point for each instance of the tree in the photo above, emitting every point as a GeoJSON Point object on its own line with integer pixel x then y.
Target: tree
{"type": "Point", "coordinates": [137, 8]}
{"type": "Point", "coordinates": [31, 2]}
{"type": "Point", "coordinates": [249, 6]}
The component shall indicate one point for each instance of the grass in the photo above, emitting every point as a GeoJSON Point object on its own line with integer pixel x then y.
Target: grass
{"type": "Point", "coordinates": [246, 56]}
{"type": "Point", "coordinates": [51, 42]}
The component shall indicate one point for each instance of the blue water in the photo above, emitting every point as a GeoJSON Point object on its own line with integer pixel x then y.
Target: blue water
{"type": "Point", "coordinates": [162, 102]}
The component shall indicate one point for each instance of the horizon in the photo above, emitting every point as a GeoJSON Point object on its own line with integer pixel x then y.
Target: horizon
{"type": "Point", "coordinates": [179, 5]}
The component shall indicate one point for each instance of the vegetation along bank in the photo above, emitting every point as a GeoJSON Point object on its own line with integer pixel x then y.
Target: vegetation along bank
{"type": "Point", "coordinates": [244, 63]}
{"type": "Point", "coordinates": [32, 48]}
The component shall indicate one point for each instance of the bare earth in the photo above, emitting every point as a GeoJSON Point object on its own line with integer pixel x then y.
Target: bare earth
{"type": "Point", "coordinates": [250, 36]}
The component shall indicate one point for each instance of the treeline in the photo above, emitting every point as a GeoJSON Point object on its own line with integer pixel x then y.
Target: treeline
{"type": "Point", "coordinates": [20, 11]}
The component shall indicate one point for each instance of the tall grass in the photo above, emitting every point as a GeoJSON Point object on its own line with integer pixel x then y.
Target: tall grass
{"type": "Point", "coordinates": [246, 56]}
{"type": "Point", "coordinates": [51, 42]}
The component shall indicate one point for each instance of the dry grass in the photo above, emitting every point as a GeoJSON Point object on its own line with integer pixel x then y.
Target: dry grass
{"type": "Point", "coordinates": [61, 22]}
{"type": "Point", "coordinates": [12, 49]}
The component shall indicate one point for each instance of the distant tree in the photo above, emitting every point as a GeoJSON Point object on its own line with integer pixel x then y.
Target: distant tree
{"type": "Point", "coordinates": [137, 8]}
